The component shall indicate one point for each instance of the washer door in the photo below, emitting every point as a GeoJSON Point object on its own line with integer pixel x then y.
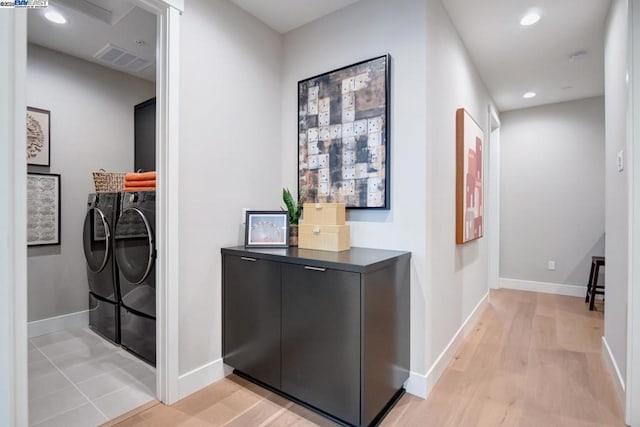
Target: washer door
{"type": "Point", "coordinates": [134, 246]}
{"type": "Point", "coordinates": [96, 240]}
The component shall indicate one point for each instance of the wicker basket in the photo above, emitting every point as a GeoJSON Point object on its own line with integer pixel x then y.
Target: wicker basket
{"type": "Point", "coordinates": [108, 182]}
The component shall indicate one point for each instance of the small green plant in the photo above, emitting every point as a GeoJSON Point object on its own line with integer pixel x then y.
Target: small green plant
{"type": "Point", "coordinates": [294, 207]}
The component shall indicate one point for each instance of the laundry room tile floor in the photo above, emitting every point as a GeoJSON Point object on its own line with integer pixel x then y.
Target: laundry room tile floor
{"type": "Point", "coordinates": [76, 378]}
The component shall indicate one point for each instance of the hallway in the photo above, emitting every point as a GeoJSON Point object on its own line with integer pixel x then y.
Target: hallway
{"type": "Point", "coordinates": [532, 360]}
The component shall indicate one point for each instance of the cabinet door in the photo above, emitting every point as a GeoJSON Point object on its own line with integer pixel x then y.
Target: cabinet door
{"type": "Point", "coordinates": [251, 319]}
{"type": "Point", "coordinates": [145, 136]}
{"type": "Point", "coordinates": [321, 339]}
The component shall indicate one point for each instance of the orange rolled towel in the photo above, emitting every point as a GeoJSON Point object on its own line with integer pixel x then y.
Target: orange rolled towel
{"type": "Point", "coordinates": [142, 176]}
{"type": "Point", "coordinates": [149, 183]}
{"type": "Point", "coordinates": [139, 189]}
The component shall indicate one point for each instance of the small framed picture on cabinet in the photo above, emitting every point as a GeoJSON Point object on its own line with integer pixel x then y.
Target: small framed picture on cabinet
{"type": "Point", "coordinates": [266, 229]}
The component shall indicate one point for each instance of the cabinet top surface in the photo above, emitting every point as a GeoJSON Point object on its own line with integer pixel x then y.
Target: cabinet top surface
{"type": "Point", "coordinates": [355, 259]}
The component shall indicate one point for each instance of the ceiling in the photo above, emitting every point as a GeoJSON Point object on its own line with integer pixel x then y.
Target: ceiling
{"type": "Point", "coordinates": [513, 59]}
{"type": "Point", "coordinates": [285, 15]}
{"type": "Point", "coordinates": [92, 25]}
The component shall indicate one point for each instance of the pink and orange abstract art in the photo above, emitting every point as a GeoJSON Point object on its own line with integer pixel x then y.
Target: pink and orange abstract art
{"type": "Point", "coordinates": [469, 183]}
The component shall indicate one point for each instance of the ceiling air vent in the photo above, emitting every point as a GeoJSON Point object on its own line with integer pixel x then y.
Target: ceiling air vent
{"type": "Point", "coordinates": [120, 58]}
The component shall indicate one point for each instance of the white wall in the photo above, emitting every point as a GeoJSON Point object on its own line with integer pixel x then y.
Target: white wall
{"type": "Point", "coordinates": [431, 76]}
{"type": "Point", "coordinates": [457, 273]}
{"type": "Point", "coordinates": [342, 38]}
{"type": "Point", "coordinates": [552, 191]}
{"type": "Point", "coordinates": [91, 128]}
{"type": "Point", "coordinates": [616, 248]}
{"type": "Point", "coordinates": [229, 155]}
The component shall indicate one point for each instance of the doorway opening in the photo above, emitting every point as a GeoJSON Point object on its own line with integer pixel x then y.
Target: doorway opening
{"type": "Point", "coordinates": [91, 281]}
{"type": "Point", "coordinates": [494, 199]}
{"type": "Point", "coordinates": [16, 399]}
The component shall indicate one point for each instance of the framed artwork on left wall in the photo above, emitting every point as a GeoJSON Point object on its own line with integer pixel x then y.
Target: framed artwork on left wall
{"type": "Point", "coordinates": [43, 209]}
{"type": "Point", "coordinates": [38, 137]}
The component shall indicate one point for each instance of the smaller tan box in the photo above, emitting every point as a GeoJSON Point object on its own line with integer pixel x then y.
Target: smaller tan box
{"type": "Point", "coordinates": [324, 213]}
{"type": "Point", "coordinates": [334, 238]}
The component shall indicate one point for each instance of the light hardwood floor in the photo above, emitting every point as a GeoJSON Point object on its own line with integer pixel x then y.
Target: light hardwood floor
{"type": "Point", "coordinates": [532, 360]}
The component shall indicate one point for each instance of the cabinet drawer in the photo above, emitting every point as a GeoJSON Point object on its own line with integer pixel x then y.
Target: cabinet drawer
{"type": "Point", "coordinates": [321, 339]}
{"type": "Point", "coordinates": [251, 317]}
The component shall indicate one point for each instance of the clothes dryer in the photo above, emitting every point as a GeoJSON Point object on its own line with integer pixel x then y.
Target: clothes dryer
{"type": "Point", "coordinates": [102, 274]}
{"type": "Point", "coordinates": [135, 252]}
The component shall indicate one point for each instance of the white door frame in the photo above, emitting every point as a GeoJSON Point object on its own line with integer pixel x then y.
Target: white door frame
{"type": "Point", "coordinates": [13, 219]}
{"type": "Point", "coordinates": [13, 253]}
{"type": "Point", "coordinates": [167, 204]}
{"type": "Point", "coordinates": [632, 386]}
{"type": "Point", "coordinates": [493, 226]}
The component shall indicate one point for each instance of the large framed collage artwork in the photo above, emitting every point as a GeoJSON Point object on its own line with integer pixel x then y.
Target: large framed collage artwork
{"type": "Point", "coordinates": [343, 135]}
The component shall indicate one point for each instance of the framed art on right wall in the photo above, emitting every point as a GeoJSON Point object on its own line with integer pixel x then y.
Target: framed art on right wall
{"type": "Point", "coordinates": [469, 179]}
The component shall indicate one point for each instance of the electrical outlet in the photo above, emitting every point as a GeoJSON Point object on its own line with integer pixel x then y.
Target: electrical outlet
{"type": "Point", "coordinates": [551, 265]}
{"type": "Point", "coordinates": [244, 215]}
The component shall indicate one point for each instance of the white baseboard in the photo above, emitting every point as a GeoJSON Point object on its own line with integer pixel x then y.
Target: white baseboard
{"type": "Point", "coordinates": [421, 385]}
{"type": "Point", "coordinates": [416, 385]}
{"type": "Point", "coordinates": [76, 320]}
{"type": "Point", "coordinates": [199, 378]}
{"type": "Point", "coordinates": [228, 370]}
{"type": "Point", "coordinates": [612, 367]}
{"type": "Point", "coordinates": [544, 287]}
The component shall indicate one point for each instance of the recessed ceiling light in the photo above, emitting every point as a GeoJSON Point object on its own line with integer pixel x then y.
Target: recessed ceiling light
{"type": "Point", "coordinates": [55, 17]}
{"type": "Point", "coordinates": [529, 19]}
{"type": "Point", "coordinates": [529, 95]}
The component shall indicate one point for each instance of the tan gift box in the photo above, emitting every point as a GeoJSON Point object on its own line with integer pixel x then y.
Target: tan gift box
{"type": "Point", "coordinates": [334, 238]}
{"type": "Point", "coordinates": [324, 213]}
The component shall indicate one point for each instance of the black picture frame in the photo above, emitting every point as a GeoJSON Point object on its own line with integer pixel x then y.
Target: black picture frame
{"type": "Point", "coordinates": [266, 229]}
{"type": "Point", "coordinates": [352, 163]}
{"type": "Point", "coordinates": [38, 137]}
{"type": "Point", "coordinates": [44, 209]}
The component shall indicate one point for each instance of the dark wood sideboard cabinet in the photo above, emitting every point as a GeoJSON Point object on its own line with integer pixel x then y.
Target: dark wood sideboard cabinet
{"type": "Point", "coordinates": [327, 329]}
